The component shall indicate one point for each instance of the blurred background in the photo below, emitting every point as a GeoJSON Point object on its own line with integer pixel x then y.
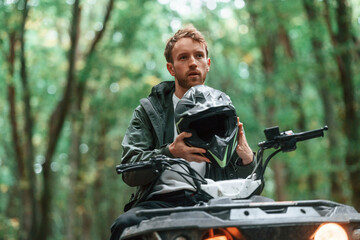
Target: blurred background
{"type": "Point", "coordinates": [72, 72]}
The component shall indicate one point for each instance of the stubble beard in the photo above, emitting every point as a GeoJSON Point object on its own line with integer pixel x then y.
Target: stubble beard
{"type": "Point", "coordinates": [187, 83]}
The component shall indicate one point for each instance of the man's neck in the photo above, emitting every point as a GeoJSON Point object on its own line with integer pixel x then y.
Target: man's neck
{"type": "Point", "coordinates": [179, 91]}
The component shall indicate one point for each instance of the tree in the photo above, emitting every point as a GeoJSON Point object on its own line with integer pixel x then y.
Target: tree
{"type": "Point", "coordinates": [342, 43]}
{"type": "Point", "coordinates": [79, 169]}
{"type": "Point", "coordinates": [266, 41]}
{"type": "Point", "coordinates": [73, 73]}
{"type": "Point", "coordinates": [24, 152]}
{"type": "Point", "coordinates": [317, 39]}
{"type": "Point", "coordinates": [55, 124]}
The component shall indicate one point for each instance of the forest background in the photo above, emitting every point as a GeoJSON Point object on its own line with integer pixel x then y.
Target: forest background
{"type": "Point", "coordinates": [72, 72]}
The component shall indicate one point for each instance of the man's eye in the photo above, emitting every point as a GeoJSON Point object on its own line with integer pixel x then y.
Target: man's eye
{"type": "Point", "coordinates": [183, 57]}
{"type": "Point", "coordinates": [200, 56]}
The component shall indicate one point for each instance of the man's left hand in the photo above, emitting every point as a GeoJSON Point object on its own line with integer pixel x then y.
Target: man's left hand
{"type": "Point", "coordinates": [243, 149]}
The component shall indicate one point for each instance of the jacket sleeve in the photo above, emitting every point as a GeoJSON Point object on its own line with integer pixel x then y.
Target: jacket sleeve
{"type": "Point", "coordinates": [239, 169]}
{"type": "Point", "coordinates": [140, 144]}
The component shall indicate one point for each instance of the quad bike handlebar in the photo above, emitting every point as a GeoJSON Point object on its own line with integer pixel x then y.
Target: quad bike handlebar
{"type": "Point", "coordinates": [158, 163]}
{"type": "Point", "coordinates": [254, 183]}
{"type": "Point", "coordinates": [282, 141]}
{"type": "Point", "coordinates": [287, 140]}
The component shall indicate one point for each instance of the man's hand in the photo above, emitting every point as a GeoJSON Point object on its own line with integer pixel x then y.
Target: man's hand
{"type": "Point", "coordinates": [180, 150]}
{"type": "Point", "coordinates": [243, 149]}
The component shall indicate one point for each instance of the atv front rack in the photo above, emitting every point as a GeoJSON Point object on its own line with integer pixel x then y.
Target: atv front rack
{"type": "Point", "coordinates": [246, 220]}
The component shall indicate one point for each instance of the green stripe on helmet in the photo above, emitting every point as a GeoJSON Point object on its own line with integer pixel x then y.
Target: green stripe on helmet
{"type": "Point", "coordinates": [221, 163]}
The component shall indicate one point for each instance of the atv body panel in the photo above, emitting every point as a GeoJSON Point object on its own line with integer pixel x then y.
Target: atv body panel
{"type": "Point", "coordinates": [252, 219]}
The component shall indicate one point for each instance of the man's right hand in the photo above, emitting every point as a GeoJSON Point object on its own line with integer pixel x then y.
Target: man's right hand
{"type": "Point", "coordinates": [180, 150]}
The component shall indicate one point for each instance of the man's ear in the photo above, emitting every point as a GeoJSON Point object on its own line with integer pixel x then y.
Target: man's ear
{"type": "Point", "coordinates": [170, 68]}
{"type": "Point", "coordinates": [208, 64]}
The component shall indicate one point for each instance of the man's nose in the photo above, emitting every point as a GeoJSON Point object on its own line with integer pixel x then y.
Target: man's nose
{"type": "Point", "coordinates": [192, 61]}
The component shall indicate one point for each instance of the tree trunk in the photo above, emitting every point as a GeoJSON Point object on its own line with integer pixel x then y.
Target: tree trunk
{"type": "Point", "coordinates": [99, 184]}
{"type": "Point", "coordinates": [268, 56]}
{"type": "Point", "coordinates": [22, 176]}
{"type": "Point", "coordinates": [342, 44]}
{"type": "Point", "coordinates": [79, 221]}
{"type": "Point", "coordinates": [351, 119]}
{"type": "Point", "coordinates": [56, 123]}
{"type": "Point", "coordinates": [267, 44]}
{"type": "Point", "coordinates": [296, 102]}
{"type": "Point", "coordinates": [328, 103]}
{"type": "Point", "coordinates": [18, 151]}
{"type": "Point", "coordinates": [31, 206]}
{"type": "Point", "coordinates": [73, 224]}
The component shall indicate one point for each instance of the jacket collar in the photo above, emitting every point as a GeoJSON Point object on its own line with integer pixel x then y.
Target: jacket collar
{"type": "Point", "coordinates": [159, 108]}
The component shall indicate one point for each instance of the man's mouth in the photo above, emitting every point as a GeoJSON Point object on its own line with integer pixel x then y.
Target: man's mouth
{"type": "Point", "coordinates": [193, 74]}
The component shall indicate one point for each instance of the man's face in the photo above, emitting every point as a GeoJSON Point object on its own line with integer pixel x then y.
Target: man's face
{"type": "Point", "coordinates": [190, 64]}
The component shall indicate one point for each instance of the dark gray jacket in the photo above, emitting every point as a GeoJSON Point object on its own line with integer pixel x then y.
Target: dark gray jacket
{"type": "Point", "coordinates": [150, 132]}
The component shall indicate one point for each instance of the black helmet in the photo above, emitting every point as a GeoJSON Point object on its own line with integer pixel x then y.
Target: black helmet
{"type": "Point", "coordinates": [209, 115]}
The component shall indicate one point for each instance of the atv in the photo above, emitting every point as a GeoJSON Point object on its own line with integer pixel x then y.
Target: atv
{"type": "Point", "coordinates": [237, 211]}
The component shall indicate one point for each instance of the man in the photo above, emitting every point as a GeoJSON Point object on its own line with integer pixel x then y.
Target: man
{"type": "Point", "coordinates": [151, 132]}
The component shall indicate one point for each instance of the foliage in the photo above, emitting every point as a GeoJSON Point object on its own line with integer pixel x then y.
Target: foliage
{"type": "Point", "coordinates": [128, 60]}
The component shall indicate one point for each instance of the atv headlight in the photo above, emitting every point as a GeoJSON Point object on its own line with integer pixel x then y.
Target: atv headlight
{"type": "Point", "coordinates": [222, 234]}
{"type": "Point", "coordinates": [330, 231]}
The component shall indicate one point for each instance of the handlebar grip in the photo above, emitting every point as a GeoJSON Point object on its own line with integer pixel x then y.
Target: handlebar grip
{"type": "Point", "coordinates": [287, 140]}
{"type": "Point", "coordinates": [129, 167]}
{"type": "Point", "coordinates": [157, 163]}
{"type": "Point", "coordinates": [311, 134]}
